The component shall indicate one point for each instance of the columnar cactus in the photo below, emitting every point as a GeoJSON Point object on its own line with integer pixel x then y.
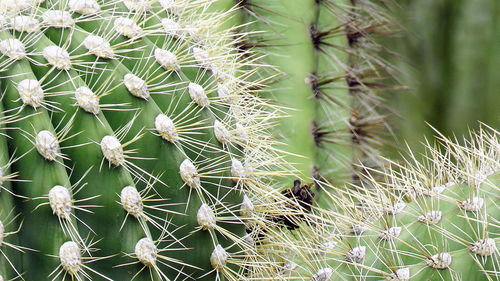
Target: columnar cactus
{"type": "Point", "coordinates": [432, 221]}
{"type": "Point", "coordinates": [331, 64]}
{"type": "Point", "coordinates": [130, 141]}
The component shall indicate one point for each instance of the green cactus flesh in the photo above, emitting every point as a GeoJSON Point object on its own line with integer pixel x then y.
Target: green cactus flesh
{"type": "Point", "coordinates": [129, 140]}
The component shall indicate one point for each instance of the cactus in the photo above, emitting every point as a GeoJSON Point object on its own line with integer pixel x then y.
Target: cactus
{"type": "Point", "coordinates": [131, 138]}
{"type": "Point", "coordinates": [330, 58]}
{"type": "Point", "coordinates": [430, 220]}
{"type": "Point", "coordinates": [135, 145]}
{"type": "Point", "coordinates": [450, 56]}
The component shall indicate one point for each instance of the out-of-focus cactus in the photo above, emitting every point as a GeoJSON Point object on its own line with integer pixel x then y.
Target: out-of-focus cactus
{"type": "Point", "coordinates": [132, 145]}
{"type": "Point", "coordinates": [449, 53]}
{"type": "Point", "coordinates": [436, 220]}
{"type": "Point", "coordinates": [330, 85]}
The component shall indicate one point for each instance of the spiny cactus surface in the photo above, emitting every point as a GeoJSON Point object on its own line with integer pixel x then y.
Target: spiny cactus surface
{"type": "Point", "coordinates": [132, 145]}
{"type": "Point", "coordinates": [430, 220]}
{"type": "Point", "coordinates": [330, 85]}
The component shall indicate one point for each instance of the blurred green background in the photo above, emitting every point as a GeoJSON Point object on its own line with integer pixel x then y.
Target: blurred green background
{"type": "Point", "coordinates": [449, 57]}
